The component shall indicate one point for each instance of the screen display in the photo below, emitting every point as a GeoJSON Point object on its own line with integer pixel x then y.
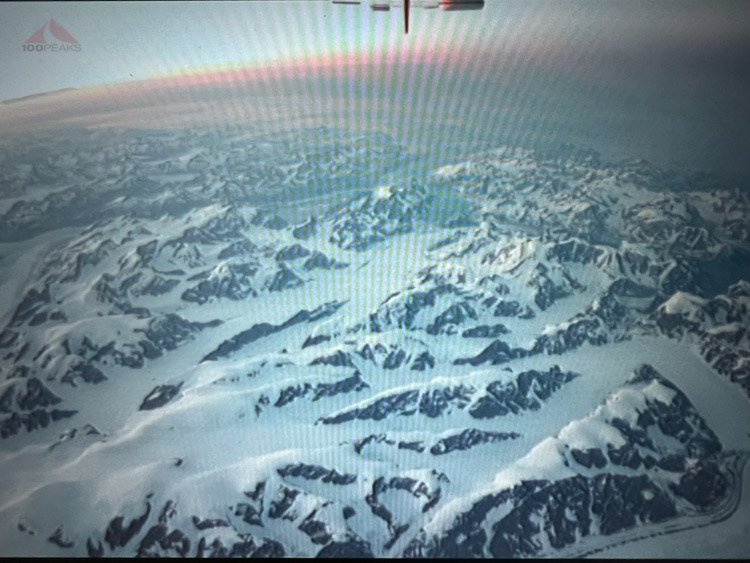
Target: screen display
{"type": "Point", "coordinates": [390, 278]}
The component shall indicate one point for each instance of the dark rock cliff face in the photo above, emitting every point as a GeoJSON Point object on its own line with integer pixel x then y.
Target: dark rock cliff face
{"type": "Point", "coordinates": [527, 392]}
{"type": "Point", "coordinates": [160, 396]}
{"type": "Point", "coordinates": [718, 326]}
{"type": "Point", "coordinates": [262, 330]}
{"type": "Point", "coordinates": [27, 406]}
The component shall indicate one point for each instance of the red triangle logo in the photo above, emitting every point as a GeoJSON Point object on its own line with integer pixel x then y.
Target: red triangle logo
{"type": "Point", "coordinates": [60, 33]}
{"type": "Point", "coordinates": [38, 36]}
{"type": "Point", "coordinates": [56, 30]}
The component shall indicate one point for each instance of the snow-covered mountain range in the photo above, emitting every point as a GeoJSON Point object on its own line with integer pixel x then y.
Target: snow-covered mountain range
{"type": "Point", "coordinates": [213, 343]}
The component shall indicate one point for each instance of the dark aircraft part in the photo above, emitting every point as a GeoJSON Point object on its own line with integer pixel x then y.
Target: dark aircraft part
{"type": "Point", "coordinates": [446, 5]}
{"type": "Point", "coordinates": [457, 5]}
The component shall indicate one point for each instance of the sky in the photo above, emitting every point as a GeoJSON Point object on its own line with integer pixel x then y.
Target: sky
{"type": "Point", "coordinates": [124, 41]}
{"type": "Point", "coordinates": [665, 80]}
